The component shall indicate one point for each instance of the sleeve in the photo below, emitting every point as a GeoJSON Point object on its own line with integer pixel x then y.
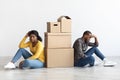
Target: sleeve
{"type": "Point", "coordinates": [92, 44]}
{"type": "Point", "coordinates": [79, 50]}
{"type": "Point", "coordinates": [24, 44]}
{"type": "Point", "coordinates": [39, 49]}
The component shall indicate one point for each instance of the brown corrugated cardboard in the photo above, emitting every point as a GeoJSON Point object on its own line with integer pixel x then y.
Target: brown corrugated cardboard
{"type": "Point", "coordinates": [53, 27]}
{"type": "Point", "coordinates": [57, 40]}
{"type": "Point", "coordinates": [65, 23]}
{"type": "Point", "coordinates": [59, 57]}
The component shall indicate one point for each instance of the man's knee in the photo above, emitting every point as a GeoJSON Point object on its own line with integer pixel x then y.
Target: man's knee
{"type": "Point", "coordinates": [92, 61]}
{"type": "Point", "coordinates": [94, 47]}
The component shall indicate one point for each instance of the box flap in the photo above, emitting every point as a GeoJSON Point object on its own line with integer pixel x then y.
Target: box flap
{"type": "Point", "coordinates": [63, 17]}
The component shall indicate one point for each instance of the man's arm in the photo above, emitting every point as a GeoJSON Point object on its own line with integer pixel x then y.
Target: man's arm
{"type": "Point", "coordinates": [96, 41]}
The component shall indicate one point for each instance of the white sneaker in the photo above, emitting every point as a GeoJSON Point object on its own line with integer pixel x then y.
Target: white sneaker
{"type": "Point", "coordinates": [109, 63]}
{"type": "Point", "coordinates": [96, 63]}
{"type": "Point", "coordinates": [10, 65]}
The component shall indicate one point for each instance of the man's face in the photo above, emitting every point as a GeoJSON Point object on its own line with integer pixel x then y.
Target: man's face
{"type": "Point", "coordinates": [87, 37]}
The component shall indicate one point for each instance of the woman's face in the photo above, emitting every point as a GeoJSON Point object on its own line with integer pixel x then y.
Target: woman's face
{"type": "Point", "coordinates": [33, 38]}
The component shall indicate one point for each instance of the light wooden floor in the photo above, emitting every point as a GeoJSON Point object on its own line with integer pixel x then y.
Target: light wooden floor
{"type": "Point", "coordinates": [88, 73]}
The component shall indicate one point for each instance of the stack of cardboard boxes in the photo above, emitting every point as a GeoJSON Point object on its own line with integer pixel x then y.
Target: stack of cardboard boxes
{"type": "Point", "coordinates": [58, 49]}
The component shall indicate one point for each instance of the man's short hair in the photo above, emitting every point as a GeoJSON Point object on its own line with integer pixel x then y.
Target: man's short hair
{"type": "Point", "coordinates": [87, 33]}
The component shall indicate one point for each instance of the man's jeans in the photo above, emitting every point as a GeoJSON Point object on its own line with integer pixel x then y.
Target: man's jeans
{"type": "Point", "coordinates": [27, 62]}
{"type": "Point", "coordinates": [89, 59]}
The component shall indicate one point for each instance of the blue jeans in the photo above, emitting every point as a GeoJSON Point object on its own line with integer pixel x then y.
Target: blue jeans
{"type": "Point", "coordinates": [89, 59]}
{"type": "Point", "coordinates": [27, 62]}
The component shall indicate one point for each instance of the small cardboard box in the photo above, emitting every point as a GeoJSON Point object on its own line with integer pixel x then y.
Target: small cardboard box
{"type": "Point", "coordinates": [59, 57]}
{"type": "Point", "coordinates": [53, 27]}
{"type": "Point", "coordinates": [65, 23]}
{"type": "Point", "coordinates": [57, 40]}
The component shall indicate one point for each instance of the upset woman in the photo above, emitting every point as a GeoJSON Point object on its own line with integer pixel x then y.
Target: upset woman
{"type": "Point", "coordinates": [33, 60]}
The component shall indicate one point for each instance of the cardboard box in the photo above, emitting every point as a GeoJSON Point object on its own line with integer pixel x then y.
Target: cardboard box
{"type": "Point", "coordinates": [58, 40]}
{"type": "Point", "coordinates": [65, 23]}
{"type": "Point", "coordinates": [53, 27]}
{"type": "Point", "coordinates": [59, 57]}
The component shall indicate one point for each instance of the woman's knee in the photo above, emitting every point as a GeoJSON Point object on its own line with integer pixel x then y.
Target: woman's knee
{"type": "Point", "coordinates": [21, 49]}
{"type": "Point", "coordinates": [26, 63]}
{"type": "Point", "coordinates": [32, 64]}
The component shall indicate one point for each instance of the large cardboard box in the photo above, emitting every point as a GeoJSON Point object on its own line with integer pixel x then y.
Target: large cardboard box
{"type": "Point", "coordinates": [59, 57]}
{"type": "Point", "coordinates": [58, 40]}
{"type": "Point", "coordinates": [53, 27]}
{"type": "Point", "coordinates": [65, 23]}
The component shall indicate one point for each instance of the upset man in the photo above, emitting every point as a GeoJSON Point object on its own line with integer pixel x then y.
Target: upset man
{"type": "Point", "coordinates": [83, 55]}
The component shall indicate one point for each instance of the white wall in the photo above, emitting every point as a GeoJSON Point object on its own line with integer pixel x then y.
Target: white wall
{"type": "Point", "coordinates": [99, 16]}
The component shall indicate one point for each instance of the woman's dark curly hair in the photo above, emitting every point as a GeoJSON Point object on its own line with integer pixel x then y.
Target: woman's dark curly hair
{"type": "Point", "coordinates": [36, 34]}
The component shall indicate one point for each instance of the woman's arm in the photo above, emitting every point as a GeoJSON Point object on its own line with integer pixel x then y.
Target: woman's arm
{"type": "Point", "coordinates": [24, 44]}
